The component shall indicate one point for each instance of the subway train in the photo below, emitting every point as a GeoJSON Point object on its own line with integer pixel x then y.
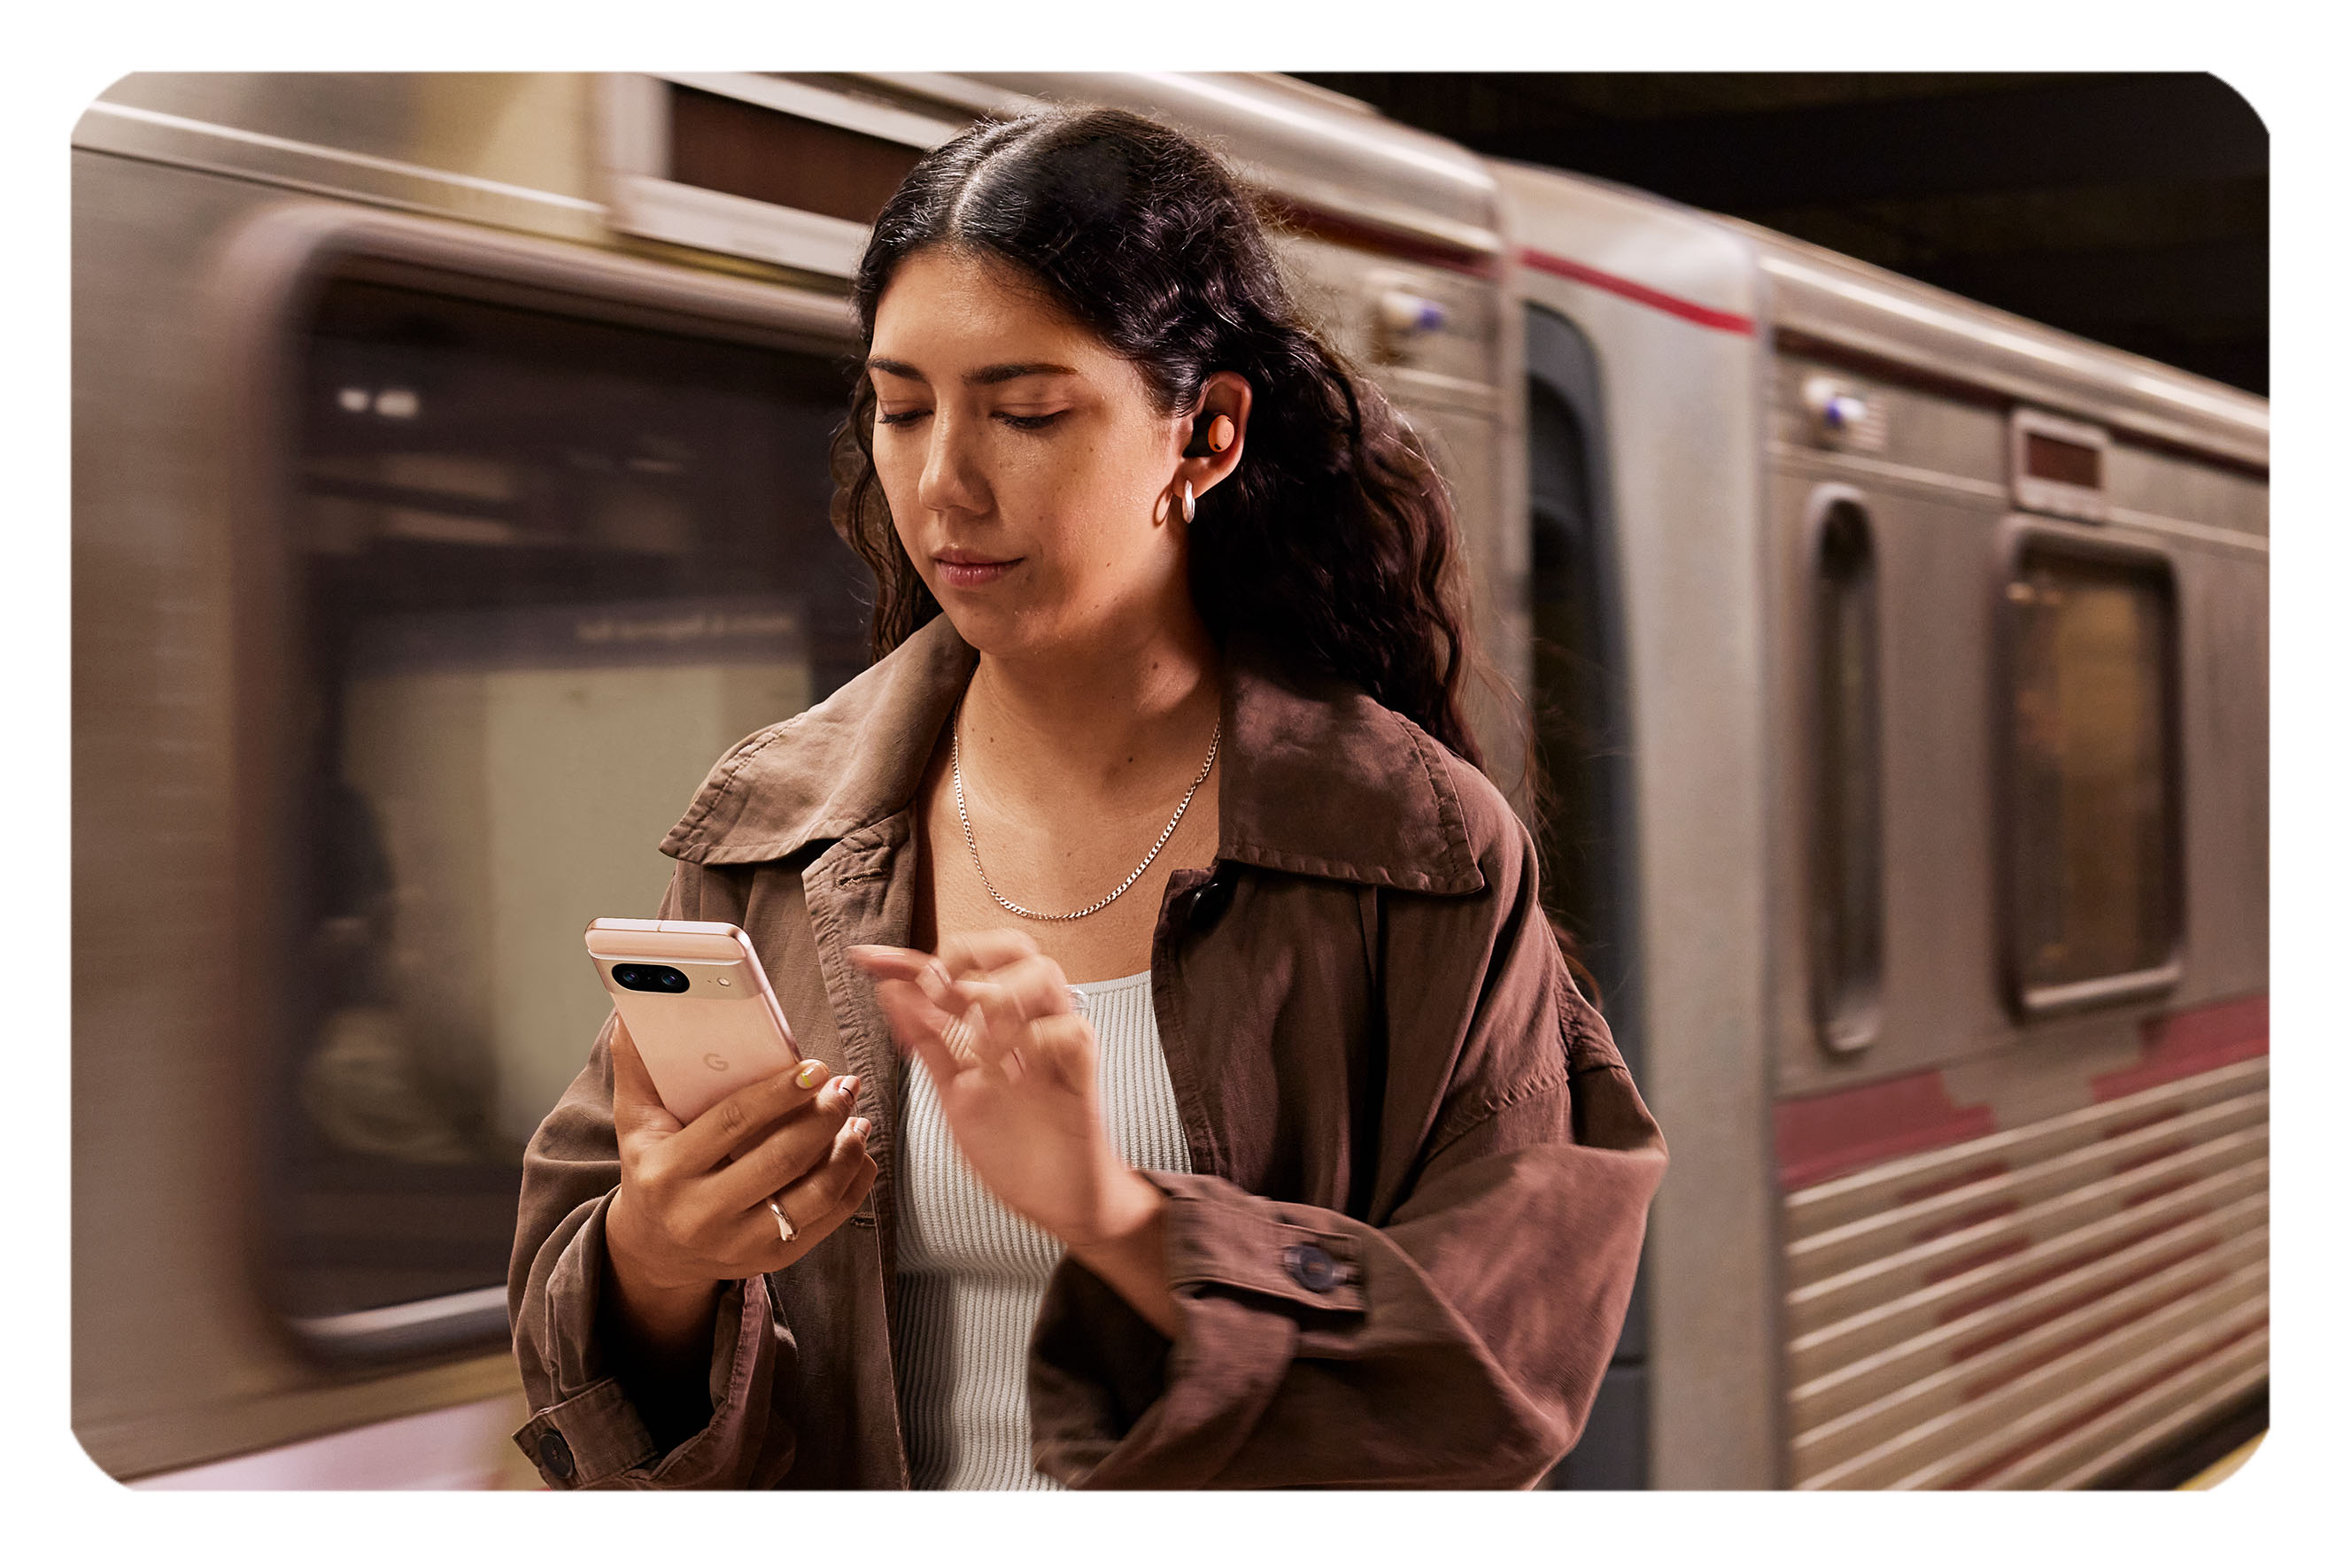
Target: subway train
{"type": "Point", "coordinates": [1898, 667]}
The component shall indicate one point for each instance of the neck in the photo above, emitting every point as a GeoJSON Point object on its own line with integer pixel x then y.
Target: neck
{"type": "Point", "coordinates": [1115, 719]}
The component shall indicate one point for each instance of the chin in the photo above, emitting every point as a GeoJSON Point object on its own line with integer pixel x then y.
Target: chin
{"type": "Point", "coordinates": [1001, 631]}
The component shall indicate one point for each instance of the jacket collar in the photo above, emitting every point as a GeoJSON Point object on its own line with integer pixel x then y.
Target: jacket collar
{"type": "Point", "coordinates": [1313, 777]}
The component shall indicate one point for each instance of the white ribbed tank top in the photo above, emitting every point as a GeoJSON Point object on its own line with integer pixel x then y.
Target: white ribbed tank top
{"type": "Point", "coordinates": [971, 1273]}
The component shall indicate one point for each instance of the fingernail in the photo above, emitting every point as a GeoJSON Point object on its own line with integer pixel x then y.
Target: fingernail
{"type": "Point", "coordinates": [810, 1072]}
{"type": "Point", "coordinates": [862, 1126]}
{"type": "Point", "coordinates": [849, 1087]}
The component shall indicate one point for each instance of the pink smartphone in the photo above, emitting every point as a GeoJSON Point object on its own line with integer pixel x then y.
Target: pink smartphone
{"type": "Point", "coordinates": [697, 1004]}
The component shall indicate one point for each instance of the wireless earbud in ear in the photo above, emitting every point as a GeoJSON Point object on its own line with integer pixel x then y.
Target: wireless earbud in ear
{"type": "Point", "coordinates": [1218, 438]}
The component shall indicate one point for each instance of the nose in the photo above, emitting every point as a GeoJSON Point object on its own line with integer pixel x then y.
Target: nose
{"type": "Point", "coordinates": [951, 481]}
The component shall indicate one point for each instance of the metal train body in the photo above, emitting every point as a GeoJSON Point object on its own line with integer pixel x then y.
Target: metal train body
{"type": "Point", "coordinates": [419, 418]}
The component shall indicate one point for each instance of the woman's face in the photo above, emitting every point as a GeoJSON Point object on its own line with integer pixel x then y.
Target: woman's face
{"type": "Point", "coordinates": [1025, 465]}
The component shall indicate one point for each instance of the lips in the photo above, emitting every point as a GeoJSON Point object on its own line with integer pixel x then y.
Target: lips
{"type": "Point", "coordinates": [962, 569]}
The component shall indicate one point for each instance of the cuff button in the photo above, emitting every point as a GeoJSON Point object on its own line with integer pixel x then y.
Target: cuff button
{"type": "Point", "coordinates": [1311, 1266]}
{"type": "Point", "coordinates": [556, 1455]}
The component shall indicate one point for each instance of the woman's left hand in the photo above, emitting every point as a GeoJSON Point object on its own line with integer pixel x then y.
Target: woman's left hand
{"type": "Point", "coordinates": [994, 1024]}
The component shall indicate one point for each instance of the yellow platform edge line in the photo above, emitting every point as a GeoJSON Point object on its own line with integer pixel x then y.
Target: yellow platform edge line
{"type": "Point", "coordinates": [2205, 1481]}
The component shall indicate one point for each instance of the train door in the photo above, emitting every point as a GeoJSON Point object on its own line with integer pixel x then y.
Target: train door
{"type": "Point", "coordinates": [428, 555]}
{"type": "Point", "coordinates": [1636, 326]}
{"type": "Point", "coordinates": [547, 569]}
{"type": "Point", "coordinates": [507, 540]}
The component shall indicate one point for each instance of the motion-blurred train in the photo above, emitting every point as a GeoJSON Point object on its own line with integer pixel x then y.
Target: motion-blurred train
{"type": "Point", "coordinates": [1900, 667]}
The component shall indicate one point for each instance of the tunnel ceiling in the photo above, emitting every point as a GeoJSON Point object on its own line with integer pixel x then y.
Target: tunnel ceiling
{"type": "Point", "coordinates": [2131, 209]}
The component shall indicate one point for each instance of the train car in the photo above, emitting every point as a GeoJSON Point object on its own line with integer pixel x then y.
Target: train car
{"type": "Point", "coordinates": [1927, 651]}
{"type": "Point", "coordinates": [1899, 668]}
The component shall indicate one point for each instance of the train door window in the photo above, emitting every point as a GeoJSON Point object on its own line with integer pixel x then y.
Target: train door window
{"type": "Point", "coordinates": [1582, 737]}
{"type": "Point", "coordinates": [758, 166]}
{"type": "Point", "coordinates": [1581, 729]}
{"type": "Point", "coordinates": [550, 569]}
{"type": "Point", "coordinates": [722, 143]}
{"type": "Point", "coordinates": [2094, 779]}
{"type": "Point", "coordinates": [1849, 842]}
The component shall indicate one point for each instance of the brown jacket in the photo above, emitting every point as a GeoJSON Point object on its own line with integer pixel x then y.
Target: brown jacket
{"type": "Point", "coordinates": [1421, 1170]}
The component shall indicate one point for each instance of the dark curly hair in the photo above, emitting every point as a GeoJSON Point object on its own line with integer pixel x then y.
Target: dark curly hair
{"type": "Point", "coordinates": [1334, 542]}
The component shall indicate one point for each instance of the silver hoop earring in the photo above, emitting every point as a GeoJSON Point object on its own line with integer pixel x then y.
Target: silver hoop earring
{"type": "Point", "coordinates": [1188, 500]}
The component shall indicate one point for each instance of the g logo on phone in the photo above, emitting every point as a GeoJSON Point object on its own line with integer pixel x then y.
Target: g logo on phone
{"type": "Point", "coordinates": [715, 1062]}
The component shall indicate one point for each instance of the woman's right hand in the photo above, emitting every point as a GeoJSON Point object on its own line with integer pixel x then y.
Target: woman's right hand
{"type": "Point", "coordinates": [692, 1210]}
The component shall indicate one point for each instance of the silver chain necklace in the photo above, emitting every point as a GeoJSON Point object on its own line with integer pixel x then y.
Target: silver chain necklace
{"type": "Point", "coordinates": [954, 757]}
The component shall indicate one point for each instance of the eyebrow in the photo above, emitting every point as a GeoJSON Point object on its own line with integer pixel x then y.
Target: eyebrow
{"type": "Point", "coordinates": [985, 376]}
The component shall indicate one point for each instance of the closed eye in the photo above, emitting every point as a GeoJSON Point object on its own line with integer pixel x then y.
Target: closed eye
{"type": "Point", "coordinates": [1017, 421]}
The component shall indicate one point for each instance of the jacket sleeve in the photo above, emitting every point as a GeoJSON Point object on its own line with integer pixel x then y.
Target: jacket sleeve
{"type": "Point", "coordinates": [1460, 1343]}
{"type": "Point", "coordinates": [584, 1430]}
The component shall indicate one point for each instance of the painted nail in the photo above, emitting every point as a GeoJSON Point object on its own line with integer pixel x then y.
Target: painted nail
{"type": "Point", "coordinates": [849, 1087]}
{"type": "Point", "coordinates": [810, 1072]}
{"type": "Point", "coordinates": [860, 1125]}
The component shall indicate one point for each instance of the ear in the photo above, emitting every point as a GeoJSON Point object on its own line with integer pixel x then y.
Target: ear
{"type": "Point", "coordinates": [1225, 395]}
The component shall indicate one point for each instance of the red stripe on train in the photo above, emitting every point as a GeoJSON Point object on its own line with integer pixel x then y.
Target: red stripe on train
{"type": "Point", "coordinates": [2017, 1325]}
{"type": "Point", "coordinates": [1828, 1136]}
{"type": "Point", "coordinates": [1341, 228]}
{"type": "Point", "coordinates": [2026, 1284]}
{"type": "Point", "coordinates": [2169, 1366]}
{"type": "Point", "coordinates": [2067, 1345]}
{"type": "Point", "coordinates": [2187, 1043]}
{"type": "Point", "coordinates": [1639, 293]}
{"type": "Point", "coordinates": [1831, 1136]}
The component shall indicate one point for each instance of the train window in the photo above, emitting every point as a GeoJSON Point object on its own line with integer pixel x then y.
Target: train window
{"type": "Point", "coordinates": [755, 164]}
{"type": "Point", "coordinates": [1570, 669]}
{"type": "Point", "coordinates": [1583, 740]}
{"type": "Point", "coordinates": [550, 569]}
{"type": "Point", "coordinates": [722, 143]}
{"type": "Point", "coordinates": [2093, 784]}
{"type": "Point", "coordinates": [1847, 879]}
{"type": "Point", "coordinates": [1581, 732]}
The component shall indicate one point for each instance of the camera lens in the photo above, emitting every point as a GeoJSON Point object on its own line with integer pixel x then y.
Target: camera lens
{"type": "Point", "coordinates": [648, 977]}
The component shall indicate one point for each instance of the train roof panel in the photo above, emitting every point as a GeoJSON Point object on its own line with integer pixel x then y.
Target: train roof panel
{"type": "Point", "coordinates": [1801, 288]}
{"type": "Point", "coordinates": [1318, 147]}
{"type": "Point", "coordinates": [1629, 241]}
{"type": "Point", "coordinates": [1827, 296]}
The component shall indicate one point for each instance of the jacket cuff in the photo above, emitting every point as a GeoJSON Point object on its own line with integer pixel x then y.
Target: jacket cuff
{"type": "Point", "coordinates": [595, 1435]}
{"type": "Point", "coordinates": [1112, 1403]}
{"type": "Point", "coordinates": [1219, 1237]}
{"type": "Point", "coordinates": [588, 1439]}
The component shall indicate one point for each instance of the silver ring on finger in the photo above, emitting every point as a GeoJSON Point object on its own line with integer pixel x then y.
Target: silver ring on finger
{"type": "Point", "coordinates": [784, 1225]}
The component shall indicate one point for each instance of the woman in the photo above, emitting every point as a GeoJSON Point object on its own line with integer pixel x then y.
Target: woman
{"type": "Point", "coordinates": [1322, 1172]}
